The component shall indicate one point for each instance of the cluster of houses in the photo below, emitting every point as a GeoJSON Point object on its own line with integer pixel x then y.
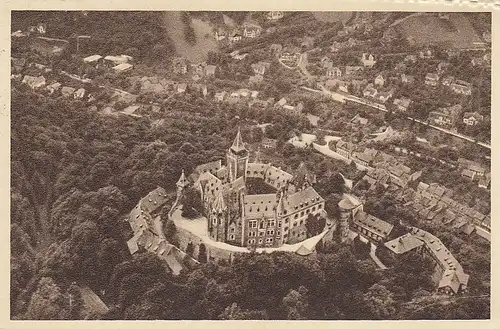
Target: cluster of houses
{"type": "Point", "coordinates": [433, 202]}
{"type": "Point", "coordinates": [118, 64]}
{"type": "Point", "coordinates": [235, 34]}
{"type": "Point", "coordinates": [149, 237]}
{"type": "Point", "coordinates": [448, 275]}
{"type": "Point", "coordinates": [163, 86]}
{"type": "Point", "coordinates": [448, 117]}
{"type": "Point", "coordinates": [198, 71]}
{"type": "Point", "coordinates": [40, 28]}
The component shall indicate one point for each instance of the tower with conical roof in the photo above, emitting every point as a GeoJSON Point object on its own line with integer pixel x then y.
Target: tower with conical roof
{"type": "Point", "coordinates": [181, 184]}
{"type": "Point", "coordinates": [237, 158]}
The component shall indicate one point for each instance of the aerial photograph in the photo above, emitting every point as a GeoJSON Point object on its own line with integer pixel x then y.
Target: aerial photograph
{"type": "Point", "coordinates": [250, 165]}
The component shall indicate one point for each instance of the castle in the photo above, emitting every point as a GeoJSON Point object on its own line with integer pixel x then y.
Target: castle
{"type": "Point", "coordinates": [238, 217]}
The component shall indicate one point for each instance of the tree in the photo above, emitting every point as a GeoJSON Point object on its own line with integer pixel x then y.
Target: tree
{"type": "Point", "coordinates": [202, 253]}
{"type": "Point", "coordinates": [296, 304]}
{"type": "Point", "coordinates": [379, 302]}
{"type": "Point", "coordinates": [47, 303]}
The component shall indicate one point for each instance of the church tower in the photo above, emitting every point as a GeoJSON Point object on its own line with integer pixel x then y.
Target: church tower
{"type": "Point", "coordinates": [217, 218]}
{"type": "Point", "coordinates": [237, 159]}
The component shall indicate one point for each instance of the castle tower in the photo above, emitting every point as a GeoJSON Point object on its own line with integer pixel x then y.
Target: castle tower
{"type": "Point", "coordinates": [237, 158]}
{"type": "Point", "coordinates": [181, 185]}
{"type": "Point", "coordinates": [217, 218]}
{"type": "Point", "coordinates": [349, 207]}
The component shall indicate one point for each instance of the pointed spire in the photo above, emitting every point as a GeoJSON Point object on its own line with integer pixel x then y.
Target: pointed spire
{"type": "Point", "coordinates": [257, 155]}
{"type": "Point", "coordinates": [238, 145]}
{"type": "Point", "coordinates": [182, 182]}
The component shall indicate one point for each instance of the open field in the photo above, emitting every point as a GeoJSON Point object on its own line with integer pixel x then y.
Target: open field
{"type": "Point", "coordinates": [457, 32]}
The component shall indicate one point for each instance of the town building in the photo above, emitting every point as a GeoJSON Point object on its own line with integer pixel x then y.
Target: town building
{"type": "Point", "coordinates": [345, 149]}
{"type": "Point", "coordinates": [402, 104]}
{"type": "Point", "coordinates": [461, 87]}
{"type": "Point", "coordinates": [407, 78]}
{"type": "Point", "coordinates": [274, 15]}
{"type": "Point", "coordinates": [34, 82]}
{"type": "Point", "coordinates": [236, 217]}
{"type": "Point", "coordinates": [368, 60]}
{"type": "Point", "coordinates": [445, 117]}
{"type": "Point", "coordinates": [449, 275]}
{"type": "Point", "coordinates": [333, 72]}
{"type": "Point", "coordinates": [179, 65]}
{"type": "Point", "coordinates": [472, 118]}
{"type": "Point", "coordinates": [251, 30]}
{"type": "Point", "coordinates": [269, 143]}
{"type": "Point", "coordinates": [379, 80]}
{"type": "Point", "coordinates": [431, 79]}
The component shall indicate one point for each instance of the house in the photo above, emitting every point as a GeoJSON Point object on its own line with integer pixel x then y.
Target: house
{"type": "Point", "coordinates": [276, 48]}
{"type": "Point", "coordinates": [445, 117]}
{"type": "Point", "coordinates": [290, 55]}
{"type": "Point", "coordinates": [116, 60]}
{"type": "Point", "coordinates": [53, 87]}
{"type": "Point", "coordinates": [426, 54]}
{"type": "Point", "coordinates": [124, 67]}
{"type": "Point", "coordinates": [384, 96]}
{"type": "Point", "coordinates": [379, 80]}
{"type": "Point", "coordinates": [472, 118]}
{"type": "Point", "coordinates": [407, 78]}
{"type": "Point", "coordinates": [333, 72]}
{"type": "Point", "coordinates": [93, 59]}
{"type": "Point", "coordinates": [326, 62]}
{"type": "Point", "coordinates": [220, 96]}
{"type": "Point", "coordinates": [351, 70]}
{"type": "Point", "coordinates": [235, 36]}
{"type": "Point", "coordinates": [269, 143]}
{"type": "Point", "coordinates": [447, 81]}
{"type": "Point", "coordinates": [362, 158]}
{"type": "Point", "coordinates": [359, 119]}
{"type": "Point", "coordinates": [369, 91]}
{"type": "Point", "coordinates": [67, 91]}
{"type": "Point", "coordinates": [485, 181]}
{"type": "Point", "coordinates": [461, 87]}
{"type": "Point", "coordinates": [260, 67]}
{"type": "Point", "coordinates": [251, 30]}
{"type": "Point", "coordinates": [411, 58]}
{"type": "Point", "coordinates": [467, 173]}
{"type": "Point", "coordinates": [220, 34]}
{"type": "Point", "coordinates": [343, 86]}
{"type": "Point", "coordinates": [179, 65]}
{"type": "Point", "coordinates": [368, 60]}
{"type": "Point", "coordinates": [210, 70]}
{"type": "Point", "coordinates": [371, 227]}
{"type": "Point", "coordinates": [79, 94]}
{"type": "Point", "coordinates": [345, 149]}
{"type": "Point", "coordinates": [40, 28]}
{"type": "Point", "coordinates": [181, 88]}
{"type": "Point", "coordinates": [431, 79]}
{"type": "Point", "coordinates": [18, 34]}
{"type": "Point", "coordinates": [274, 15]}
{"type": "Point", "coordinates": [239, 57]}
{"type": "Point", "coordinates": [256, 79]}
{"type": "Point", "coordinates": [34, 82]}
{"type": "Point", "coordinates": [402, 104]}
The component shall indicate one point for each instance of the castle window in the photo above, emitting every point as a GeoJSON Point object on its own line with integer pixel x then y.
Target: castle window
{"type": "Point", "coordinates": [301, 214]}
{"type": "Point", "coordinates": [279, 223]}
{"type": "Point", "coordinates": [261, 233]}
{"type": "Point", "coordinates": [301, 222]}
{"type": "Point", "coordinates": [251, 241]}
{"type": "Point", "coordinates": [262, 224]}
{"type": "Point", "coordinates": [319, 206]}
{"type": "Point", "coordinates": [285, 236]}
{"type": "Point", "coordinates": [307, 211]}
{"type": "Point", "coordinates": [260, 241]}
{"type": "Point", "coordinates": [253, 224]}
{"type": "Point", "coordinates": [248, 172]}
{"type": "Point", "coordinates": [286, 228]}
{"type": "Point", "coordinates": [231, 237]}
{"type": "Point", "coordinates": [270, 232]}
{"type": "Point", "coordinates": [294, 224]}
{"type": "Point", "coordinates": [286, 220]}
{"type": "Point", "coordinates": [271, 222]}
{"type": "Point", "coordinates": [252, 233]}
{"type": "Point", "coordinates": [278, 233]}
{"type": "Point", "coordinates": [214, 220]}
{"type": "Point", "coordinates": [294, 233]}
{"type": "Point", "coordinates": [313, 209]}
{"type": "Point", "coordinates": [296, 216]}
{"type": "Point", "coordinates": [232, 229]}
{"type": "Point", "coordinates": [269, 240]}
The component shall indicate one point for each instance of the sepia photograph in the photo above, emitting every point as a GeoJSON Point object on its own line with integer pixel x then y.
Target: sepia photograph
{"type": "Point", "coordinates": [250, 165]}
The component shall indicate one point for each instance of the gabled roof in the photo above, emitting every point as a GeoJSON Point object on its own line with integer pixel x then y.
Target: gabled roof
{"type": "Point", "coordinates": [404, 243]}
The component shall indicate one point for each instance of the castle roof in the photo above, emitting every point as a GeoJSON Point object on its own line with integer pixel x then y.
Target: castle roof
{"type": "Point", "coordinates": [154, 200]}
{"type": "Point", "coordinates": [404, 243]}
{"type": "Point", "coordinates": [182, 182]}
{"type": "Point", "coordinates": [238, 145]}
{"type": "Point", "coordinates": [373, 224]}
{"type": "Point", "coordinates": [219, 205]}
{"type": "Point", "coordinates": [301, 199]}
